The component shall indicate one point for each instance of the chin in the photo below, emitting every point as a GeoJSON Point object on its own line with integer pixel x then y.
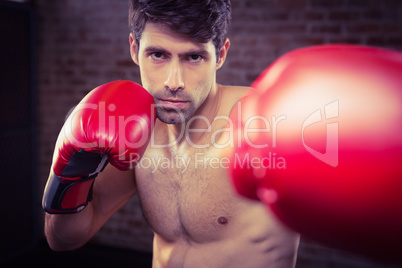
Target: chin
{"type": "Point", "coordinates": [171, 117]}
{"type": "Point", "coordinates": [170, 120]}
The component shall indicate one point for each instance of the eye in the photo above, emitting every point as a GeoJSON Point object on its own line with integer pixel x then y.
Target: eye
{"type": "Point", "coordinates": [195, 58]}
{"type": "Point", "coordinates": [157, 56]}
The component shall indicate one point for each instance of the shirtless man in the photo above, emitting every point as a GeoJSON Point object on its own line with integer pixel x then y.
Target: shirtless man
{"type": "Point", "coordinates": [197, 218]}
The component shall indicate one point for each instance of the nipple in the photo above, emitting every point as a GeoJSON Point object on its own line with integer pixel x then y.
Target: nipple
{"type": "Point", "coordinates": [222, 220]}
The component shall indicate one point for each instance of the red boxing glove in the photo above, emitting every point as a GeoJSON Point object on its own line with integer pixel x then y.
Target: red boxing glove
{"type": "Point", "coordinates": [113, 123]}
{"type": "Point", "coordinates": [325, 150]}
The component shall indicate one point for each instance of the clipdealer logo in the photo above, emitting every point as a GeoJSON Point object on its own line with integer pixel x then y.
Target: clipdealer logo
{"type": "Point", "coordinates": [331, 156]}
{"type": "Point", "coordinates": [107, 123]}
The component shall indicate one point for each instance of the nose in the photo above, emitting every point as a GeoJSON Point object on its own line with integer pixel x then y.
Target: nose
{"type": "Point", "coordinates": [175, 80]}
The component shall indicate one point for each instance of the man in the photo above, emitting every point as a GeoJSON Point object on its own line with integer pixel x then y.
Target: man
{"type": "Point", "coordinates": [197, 218]}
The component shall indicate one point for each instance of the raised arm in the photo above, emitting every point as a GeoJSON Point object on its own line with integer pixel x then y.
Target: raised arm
{"type": "Point", "coordinates": [112, 124]}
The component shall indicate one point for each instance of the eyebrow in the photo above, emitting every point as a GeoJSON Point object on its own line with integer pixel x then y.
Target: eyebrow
{"type": "Point", "coordinates": [156, 49]}
{"type": "Point", "coordinates": [201, 52]}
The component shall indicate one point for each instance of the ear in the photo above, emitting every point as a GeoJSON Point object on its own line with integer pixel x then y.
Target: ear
{"type": "Point", "coordinates": [223, 53]}
{"type": "Point", "coordinates": [133, 49]}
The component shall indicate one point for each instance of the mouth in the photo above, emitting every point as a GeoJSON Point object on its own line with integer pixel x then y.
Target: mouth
{"type": "Point", "coordinates": [171, 103]}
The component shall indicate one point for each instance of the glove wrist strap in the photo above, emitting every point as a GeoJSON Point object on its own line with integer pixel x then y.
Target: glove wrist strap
{"type": "Point", "coordinates": [67, 195]}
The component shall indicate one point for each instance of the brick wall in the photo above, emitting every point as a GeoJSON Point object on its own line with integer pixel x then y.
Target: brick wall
{"type": "Point", "coordinates": [262, 30]}
{"type": "Point", "coordinates": [82, 44]}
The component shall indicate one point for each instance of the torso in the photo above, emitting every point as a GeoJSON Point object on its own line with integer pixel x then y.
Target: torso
{"type": "Point", "coordinates": [197, 218]}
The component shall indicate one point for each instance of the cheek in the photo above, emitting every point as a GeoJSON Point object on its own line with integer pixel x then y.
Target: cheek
{"type": "Point", "coordinates": [203, 86]}
{"type": "Point", "coordinates": [203, 77]}
{"type": "Point", "coordinates": [208, 77]}
{"type": "Point", "coordinates": [150, 78]}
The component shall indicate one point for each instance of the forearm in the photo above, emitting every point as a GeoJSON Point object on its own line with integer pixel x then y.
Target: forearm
{"type": "Point", "coordinates": [112, 189]}
{"type": "Point", "coordinates": [69, 231]}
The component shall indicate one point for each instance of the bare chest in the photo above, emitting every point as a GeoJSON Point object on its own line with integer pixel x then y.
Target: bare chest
{"type": "Point", "coordinates": [186, 196]}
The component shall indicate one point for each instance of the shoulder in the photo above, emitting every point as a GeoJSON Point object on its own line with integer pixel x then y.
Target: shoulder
{"type": "Point", "coordinates": [230, 95]}
{"type": "Point", "coordinates": [233, 93]}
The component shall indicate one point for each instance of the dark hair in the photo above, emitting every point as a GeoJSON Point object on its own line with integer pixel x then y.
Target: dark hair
{"type": "Point", "coordinates": [200, 20]}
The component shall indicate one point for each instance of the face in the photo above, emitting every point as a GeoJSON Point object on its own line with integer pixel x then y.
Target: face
{"type": "Point", "coordinates": [178, 72]}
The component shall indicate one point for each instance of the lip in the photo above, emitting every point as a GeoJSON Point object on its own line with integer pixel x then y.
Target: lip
{"type": "Point", "coordinates": [177, 104]}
